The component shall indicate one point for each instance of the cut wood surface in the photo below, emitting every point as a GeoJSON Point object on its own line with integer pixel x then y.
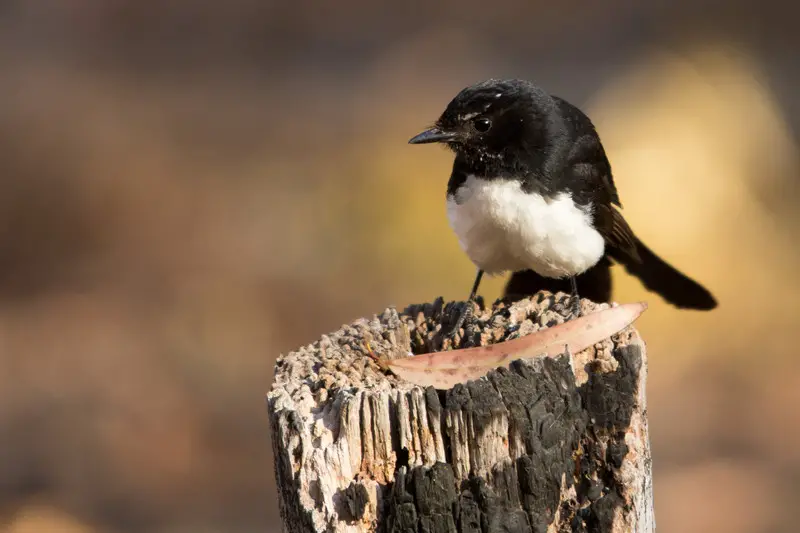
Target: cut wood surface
{"type": "Point", "coordinates": [444, 370]}
{"type": "Point", "coordinates": [556, 443]}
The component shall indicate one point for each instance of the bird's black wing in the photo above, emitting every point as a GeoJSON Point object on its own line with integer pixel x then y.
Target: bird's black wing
{"type": "Point", "coordinates": [589, 174]}
{"type": "Point", "coordinates": [608, 221]}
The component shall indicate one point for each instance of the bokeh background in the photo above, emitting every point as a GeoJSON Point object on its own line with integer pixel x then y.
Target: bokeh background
{"type": "Point", "coordinates": [188, 189]}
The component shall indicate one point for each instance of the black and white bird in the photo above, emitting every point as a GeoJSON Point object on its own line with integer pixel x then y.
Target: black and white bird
{"type": "Point", "coordinates": [531, 190]}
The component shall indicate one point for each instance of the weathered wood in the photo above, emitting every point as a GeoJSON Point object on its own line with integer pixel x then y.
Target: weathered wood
{"type": "Point", "coordinates": [549, 445]}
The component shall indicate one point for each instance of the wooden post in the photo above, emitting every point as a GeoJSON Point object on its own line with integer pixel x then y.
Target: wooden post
{"type": "Point", "coordinates": [548, 445]}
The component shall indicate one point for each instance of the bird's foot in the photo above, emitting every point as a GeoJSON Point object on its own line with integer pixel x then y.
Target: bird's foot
{"type": "Point", "coordinates": [466, 313]}
{"type": "Point", "coordinates": [575, 300]}
{"type": "Point", "coordinates": [576, 306]}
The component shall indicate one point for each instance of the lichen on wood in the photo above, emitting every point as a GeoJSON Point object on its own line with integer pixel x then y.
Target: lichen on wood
{"type": "Point", "coordinates": [552, 444]}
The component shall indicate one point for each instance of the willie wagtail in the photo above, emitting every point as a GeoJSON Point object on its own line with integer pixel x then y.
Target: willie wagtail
{"type": "Point", "coordinates": [531, 190]}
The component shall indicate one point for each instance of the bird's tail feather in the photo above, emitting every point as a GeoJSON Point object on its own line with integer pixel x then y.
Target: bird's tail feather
{"type": "Point", "coordinates": [595, 284]}
{"type": "Point", "coordinates": [659, 276]}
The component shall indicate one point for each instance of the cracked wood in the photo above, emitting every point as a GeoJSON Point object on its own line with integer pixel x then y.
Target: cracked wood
{"type": "Point", "coordinates": [553, 444]}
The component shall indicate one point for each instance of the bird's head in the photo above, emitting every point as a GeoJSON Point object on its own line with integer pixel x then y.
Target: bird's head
{"type": "Point", "coordinates": [489, 120]}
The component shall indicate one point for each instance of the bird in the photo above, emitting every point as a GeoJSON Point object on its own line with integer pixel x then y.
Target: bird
{"type": "Point", "coordinates": [531, 192]}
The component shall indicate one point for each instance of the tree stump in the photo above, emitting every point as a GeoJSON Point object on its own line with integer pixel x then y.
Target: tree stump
{"type": "Point", "coordinates": [547, 445]}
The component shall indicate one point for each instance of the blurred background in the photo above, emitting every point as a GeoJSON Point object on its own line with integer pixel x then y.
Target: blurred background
{"type": "Point", "coordinates": [188, 189]}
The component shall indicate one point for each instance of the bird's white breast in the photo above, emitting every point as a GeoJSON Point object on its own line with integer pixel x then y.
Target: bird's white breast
{"type": "Point", "coordinates": [503, 228]}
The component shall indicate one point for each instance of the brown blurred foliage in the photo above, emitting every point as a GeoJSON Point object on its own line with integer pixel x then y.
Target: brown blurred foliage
{"type": "Point", "coordinates": [191, 188]}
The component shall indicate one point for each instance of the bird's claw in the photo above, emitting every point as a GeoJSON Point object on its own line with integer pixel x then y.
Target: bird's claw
{"type": "Point", "coordinates": [465, 314]}
{"type": "Point", "coordinates": [576, 307]}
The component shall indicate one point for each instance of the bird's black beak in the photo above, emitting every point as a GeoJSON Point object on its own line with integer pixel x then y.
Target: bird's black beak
{"type": "Point", "coordinates": [433, 135]}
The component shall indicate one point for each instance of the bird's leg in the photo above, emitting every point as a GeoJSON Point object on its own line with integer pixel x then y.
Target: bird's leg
{"type": "Point", "coordinates": [467, 311]}
{"type": "Point", "coordinates": [575, 300]}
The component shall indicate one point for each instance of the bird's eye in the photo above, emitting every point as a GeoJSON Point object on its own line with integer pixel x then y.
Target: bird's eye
{"type": "Point", "coordinates": [482, 125]}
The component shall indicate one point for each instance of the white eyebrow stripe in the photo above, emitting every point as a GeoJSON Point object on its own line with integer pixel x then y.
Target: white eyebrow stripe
{"type": "Point", "coordinates": [468, 116]}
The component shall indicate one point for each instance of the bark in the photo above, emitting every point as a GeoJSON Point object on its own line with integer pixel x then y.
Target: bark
{"type": "Point", "coordinates": [548, 445]}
